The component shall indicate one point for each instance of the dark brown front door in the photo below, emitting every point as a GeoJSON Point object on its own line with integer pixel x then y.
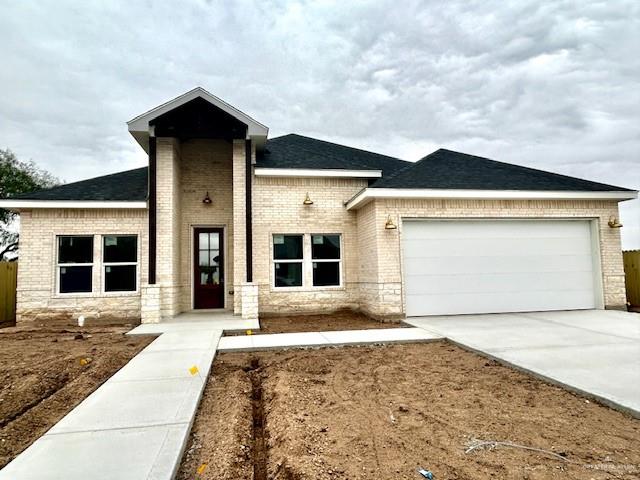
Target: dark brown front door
{"type": "Point", "coordinates": [208, 268]}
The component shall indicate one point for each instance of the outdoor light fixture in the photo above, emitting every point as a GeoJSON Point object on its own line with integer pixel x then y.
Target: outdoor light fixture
{"type": "Point", "coordinates": [207, 199]}
{"type": "Point", "coordinates": [307, 200]}
{"type": "Point", "coordinates": [389, 225]}
{"type": "Point", "coordinates": [614, 222]}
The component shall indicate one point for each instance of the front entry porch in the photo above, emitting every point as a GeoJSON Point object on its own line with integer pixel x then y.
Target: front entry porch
{"type": "Point", "coordinates": [200, 320]}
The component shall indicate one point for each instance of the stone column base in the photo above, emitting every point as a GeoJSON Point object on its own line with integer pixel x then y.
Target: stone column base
{"type": "Point", "coordinates": [150, 304]}
{"type": "Point", "coordinates": [248, 293]}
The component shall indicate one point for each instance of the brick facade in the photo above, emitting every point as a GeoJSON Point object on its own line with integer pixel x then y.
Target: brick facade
{"type": "Point", "coordinates": [381, 265]}
{"type": "Point", "coordinates": [38, 299]}
{"type": "Point", "coordinates": [278, 209]}
{"type": "Point", "coordinates": [206, 166]}
{"type": "Point", "coordinates": [371, 274]}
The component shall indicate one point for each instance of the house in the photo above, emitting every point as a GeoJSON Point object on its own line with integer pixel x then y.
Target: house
{"type": "Point", "coordinates": [224, 217]}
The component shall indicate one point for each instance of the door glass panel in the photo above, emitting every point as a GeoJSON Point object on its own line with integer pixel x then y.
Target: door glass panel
{"type": "Point", "coordinates": [213, 241]}
{"type": "Point", "coordinates": [209, 258]}
{"type": "Point", "coordinates": [203, 241]}
{"type": "Point", "coordinates": [214, 256]}
{"type": "Point", "coordinates": [209, 276]}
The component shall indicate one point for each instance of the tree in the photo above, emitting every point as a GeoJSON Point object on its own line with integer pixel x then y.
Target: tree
{"type": "Point", "coordinates": [17, 177]}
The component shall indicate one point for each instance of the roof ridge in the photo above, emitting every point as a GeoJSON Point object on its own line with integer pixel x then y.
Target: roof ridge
{"type": "Point", "coordinates": [407, 167]}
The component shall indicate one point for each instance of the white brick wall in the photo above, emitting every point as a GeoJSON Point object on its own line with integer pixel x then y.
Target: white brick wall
{"type": "Point", "coordinates": [278, 208]}
{"type": "Point", "coordinates": [239, 221]}
{"type": "Point", "coordinates": [168, 224]}
{"type": "Point", "coordinates": [371, 255]}
{"type": "Point", "coordinates": [382, 293]}
{"type": "Point", "coordinates": [37, 272]}
{"type": "Point", "coordinates": [206, 166]}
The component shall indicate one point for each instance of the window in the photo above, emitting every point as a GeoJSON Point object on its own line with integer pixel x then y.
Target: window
{"type": "Point", "coordinates": [75, 264]}
{"type": "Point", "coordinates": [325, 254]}
{"type": "Point", "coordinates": [120, 261]}
{"type": "Point", "coordinates": [287, 260]}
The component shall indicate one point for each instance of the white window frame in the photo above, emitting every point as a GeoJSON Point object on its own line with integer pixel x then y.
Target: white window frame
{"type": "Point", "coordinates": [105, 264]}
{"type": "Point", "coordinates": [326, 260]}
{"type": "Point", "coordinates": [61, 265]}
{"type": "Point", "coordinates": [301, 261]}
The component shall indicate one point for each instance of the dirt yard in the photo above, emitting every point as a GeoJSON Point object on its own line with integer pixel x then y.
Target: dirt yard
{"type": "Point", "coordinates": [341, 320]}
{"type": "Point", "coordinates": [382, 412]}
{"type": "Point", "coordinates": [45, 372]}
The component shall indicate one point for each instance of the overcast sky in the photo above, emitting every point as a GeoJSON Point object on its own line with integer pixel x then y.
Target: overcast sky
{"type": "Point", "coordinates": [552, 85]}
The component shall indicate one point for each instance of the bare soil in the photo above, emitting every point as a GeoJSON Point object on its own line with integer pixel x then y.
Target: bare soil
{"type": "Point", "coordinates": [341, 320]}
{"type": "Point", "coordinates": [46, 372]}
{"type": "Point", "coordinates": [382, 412]}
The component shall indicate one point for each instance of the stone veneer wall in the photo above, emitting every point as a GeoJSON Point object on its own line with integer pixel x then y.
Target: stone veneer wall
{"type": "Point", "coordinates": [277, 209]}
{"type": "Point", "coordinates": [37, 274]}
{"type": "Point", "coordinates": [381, 264]}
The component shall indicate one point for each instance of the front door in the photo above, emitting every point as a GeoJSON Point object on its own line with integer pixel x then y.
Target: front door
{"type": "Point", "coordinates": [208, 275]}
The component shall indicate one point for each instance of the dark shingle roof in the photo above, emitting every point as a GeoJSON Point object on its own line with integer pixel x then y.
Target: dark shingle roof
{"type": "Point", "coordinates": [443, 169]}
{"type": "Point", "coordinates": [124, 186]}
{"type": "Point", "coordinates": [296, 151]}
{"type": "Point", "coordinates": [446, 169]}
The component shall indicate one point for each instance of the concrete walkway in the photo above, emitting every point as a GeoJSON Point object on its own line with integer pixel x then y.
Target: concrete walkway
{"type": "Point", "coordinates": [136, 425]}
{"type": "Point", "coordinates": [320, 339]}
{"type": "Point", "coordinates": [593, 352]}
{"type": "Point", "coordinates": [201, 320]}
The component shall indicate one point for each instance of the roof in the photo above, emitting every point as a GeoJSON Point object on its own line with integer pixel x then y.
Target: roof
{"type": "Point", "coordinates": [443, 169]}
{"type": "Point", "coordinates": [298, 152]}
{"type": "Point", "coordinates": [139, 126]}
{"type": "Point", "coordinates": [129, 186]}
{"type": "Point", "coordinates": [446, 169]}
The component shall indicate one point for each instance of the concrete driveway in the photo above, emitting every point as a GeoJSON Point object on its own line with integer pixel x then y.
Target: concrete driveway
{"type": "Point", "coordinates": [594, 352]}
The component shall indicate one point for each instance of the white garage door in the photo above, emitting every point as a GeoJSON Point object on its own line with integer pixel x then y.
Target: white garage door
{"type": "Point", "coordinates": [493, 266]}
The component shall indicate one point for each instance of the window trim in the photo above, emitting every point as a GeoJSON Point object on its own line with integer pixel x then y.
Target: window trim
{"type": "Point", "coordinates": [326, 260]}
{"type": "Point", "coordinates": [104, 265]}
{"type": "Point", "coordinates": [59, 265]}
{"type": "Point", "coordinates": [301, 261]}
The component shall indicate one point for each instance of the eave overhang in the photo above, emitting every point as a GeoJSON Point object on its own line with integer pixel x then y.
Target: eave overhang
{"type": "Point", "coordinates": [319, 172]}
{"type": "Point", "coordinates": [18, 205]}
{"type": "Point", "coordinates": [368, 194]}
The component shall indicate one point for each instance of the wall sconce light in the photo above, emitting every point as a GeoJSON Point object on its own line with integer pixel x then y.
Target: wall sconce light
{"type": "Point", "coordinates": [207, 199]}
{"type": "Point", "coordinates": [389, 225]}
{"type": "Point", "coordinates": [307, 200]}
{"type": "Point", "coordinates": [614, 222]}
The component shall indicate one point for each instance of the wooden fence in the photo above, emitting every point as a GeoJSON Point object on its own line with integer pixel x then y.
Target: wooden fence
{"type": "Point", "coordinates": [8, 283]}
{"type": "Point", "coordinates": [632, 276]}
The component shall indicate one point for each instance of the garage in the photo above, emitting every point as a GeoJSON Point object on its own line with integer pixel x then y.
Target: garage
{"type": "Point", "coordinates": [498, 266]}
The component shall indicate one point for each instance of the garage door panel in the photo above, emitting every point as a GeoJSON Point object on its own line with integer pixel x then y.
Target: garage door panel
{"type": "Point", "coordinates": [494, 266]}
{"type": "Point", "coordinates": [469, 303]}
{"type": "Point", "coordinates": [492, 246]}
{"type": "Point", "coordinates": [505, 283]}
{"type": "Point", "coordinates": [506, 229]}
{"type": "Point", "coordinates": [527, 263]}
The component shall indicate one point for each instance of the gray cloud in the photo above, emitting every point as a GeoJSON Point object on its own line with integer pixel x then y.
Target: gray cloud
{"type": "Point", "coordinates": [552, 85]}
